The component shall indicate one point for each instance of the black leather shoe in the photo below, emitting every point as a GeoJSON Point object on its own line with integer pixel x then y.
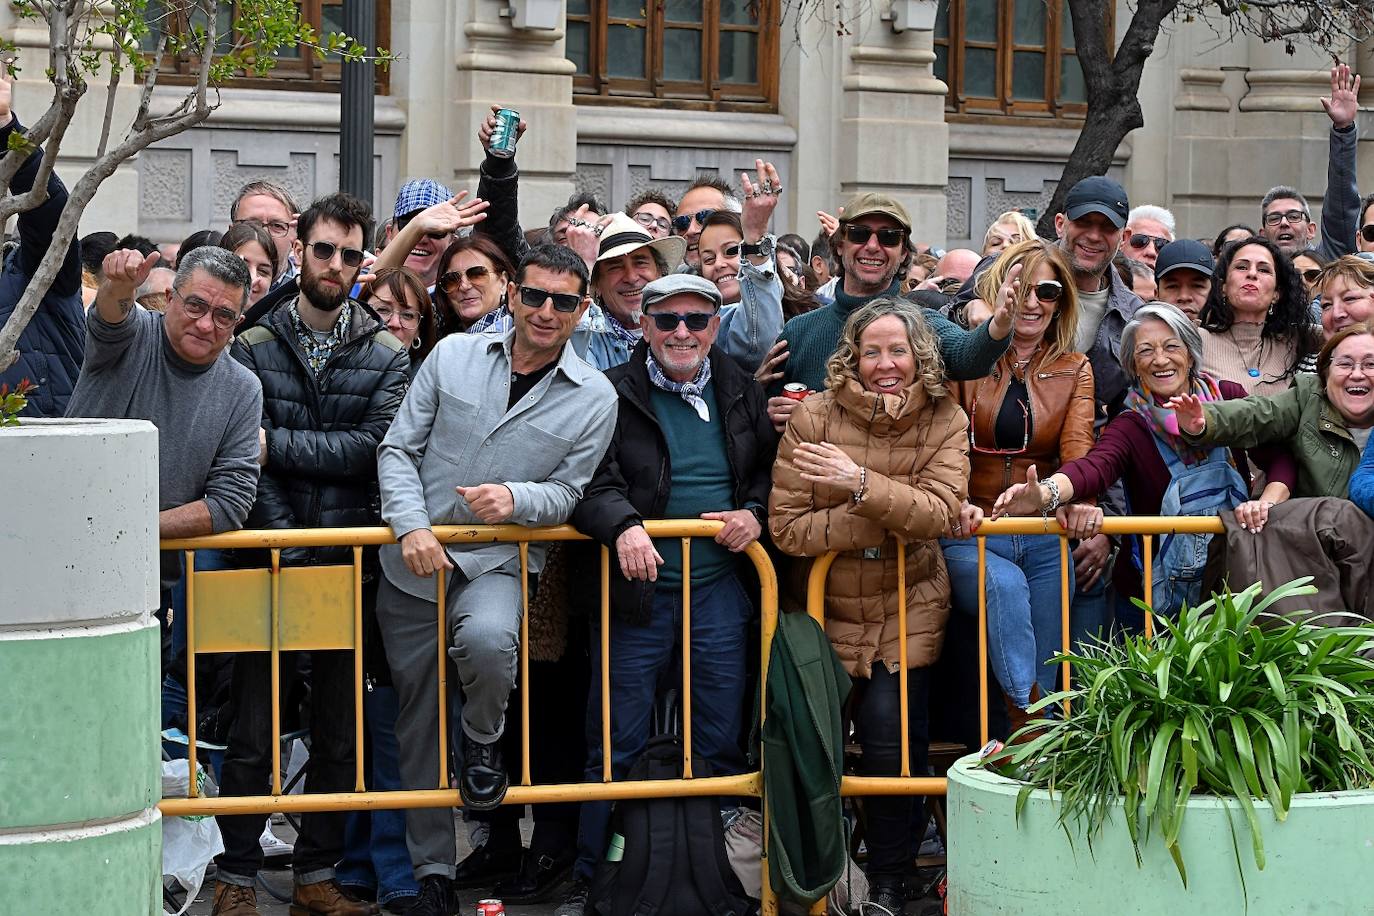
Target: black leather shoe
{"type": "Point", "coordinates": [436, 898]}
{"type": "Point", "coordinates": [886, 897]}
{"type": "Point", "coordinates": [539, 877]}
{"type": "Point", "coordinates": [483, 782]}
{"type": "Point", "coordinates": [488, 864]}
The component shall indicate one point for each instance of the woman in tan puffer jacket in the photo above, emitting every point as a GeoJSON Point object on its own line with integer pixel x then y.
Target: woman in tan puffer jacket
{"type": "Point", "coordinates": [880, 457]}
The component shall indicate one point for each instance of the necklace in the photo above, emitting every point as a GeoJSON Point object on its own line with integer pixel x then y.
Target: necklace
{"type": "Point", "coordinates": [1252, 371]}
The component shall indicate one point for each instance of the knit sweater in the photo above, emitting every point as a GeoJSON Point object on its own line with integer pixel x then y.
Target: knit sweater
{"type": "Point", "coordinates": [813, 336]}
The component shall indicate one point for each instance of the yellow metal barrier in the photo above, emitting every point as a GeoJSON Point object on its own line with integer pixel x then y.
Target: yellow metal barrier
{"type": "Point", "coordinates": [1147, 526]}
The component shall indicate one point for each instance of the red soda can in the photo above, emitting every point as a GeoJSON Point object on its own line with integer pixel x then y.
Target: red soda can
{"type": "Point", "coordinates": [795, 391]}
{"type": "Point", "coordinates": [491, 907]}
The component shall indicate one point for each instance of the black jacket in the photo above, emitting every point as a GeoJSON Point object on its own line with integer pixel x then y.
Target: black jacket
{"type": "Point", "coordinates": [635, 477]}
{"type": "Point", "coordinates": [322, 436]}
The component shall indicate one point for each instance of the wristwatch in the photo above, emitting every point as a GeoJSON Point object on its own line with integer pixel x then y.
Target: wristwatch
{"type": "Point", "coordinates": [764, 247]}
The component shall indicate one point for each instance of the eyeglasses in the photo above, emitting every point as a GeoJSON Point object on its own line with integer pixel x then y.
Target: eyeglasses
{"type": "Point", "coordinates": [1140, 241]}
{"type": "Point", "coordinates": [1048, 290]}
{"type": "Point", "coordinates": [859, 235]}
{"type": "Point", "coordinates": [196, 308]}
{"type": "Point", "coordinates": [407, 318]}
{"type": "Point", "coordinates": [973, 424]}
{"type": "Point", "coordinates": [661, 223]}
{"type": "Point", "coordinates": [452, 280]}
{"type": "Point", "coordinates": [534, 297]}
{"type": "Point", "coordinates": [1292, 217]}
{"type": "Point", "coordinates": [275, 228]}
{"type": "Point", "coordinates": [324, 251]}
{"type": "Point", "coordinates": [1173, 349]}
{"type": "Point", "coordinates": [1311, 274]}
{"type": "Point", "coordinates": [682, 223]}
{"type": "Point", "coordinates": [667, 322]}
{"type": "Point", "coordinates": [1367, 233]}
{"type": "Point", "coordinates": [1347, 365]}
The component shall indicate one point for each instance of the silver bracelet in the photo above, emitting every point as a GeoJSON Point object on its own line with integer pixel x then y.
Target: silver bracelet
{"type": "Point", "coordinates": [1053, 486]}
{"type": "Point", "coordinates": [860, 493]}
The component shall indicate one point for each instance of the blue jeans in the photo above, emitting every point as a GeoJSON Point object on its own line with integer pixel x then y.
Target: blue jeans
{"type": "Point", "coordinates": [375, 853]}
{"type": "Point", "coordinates": [1090, 614]}
{"type": "Point", "coordinates": [1025, 618]}
{"type": "Point", "coordinates": [639, 655]}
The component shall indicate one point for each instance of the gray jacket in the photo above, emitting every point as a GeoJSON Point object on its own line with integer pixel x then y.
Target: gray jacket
{"type": "Point", "coordinates": [453, 429]}
{"type": "Point", "coordinates": [1341, 202]}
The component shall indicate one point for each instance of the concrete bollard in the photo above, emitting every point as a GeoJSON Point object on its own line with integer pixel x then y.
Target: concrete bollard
{"type": "Point", "coordinates": [79, 668]}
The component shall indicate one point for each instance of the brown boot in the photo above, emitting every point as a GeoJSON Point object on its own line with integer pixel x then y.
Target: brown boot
{"type": "Point", "coordinates": [326, 898]}
{"type": "Point", "coordinates": [1019, 718]}
{"type": "Point", "coordinates": [234, 900]}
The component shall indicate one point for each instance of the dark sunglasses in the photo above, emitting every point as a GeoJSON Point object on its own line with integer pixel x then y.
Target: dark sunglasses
{"type": "Point", "coordinates": [1367, 233]}
{"type": "Point", "coordinates": [324, 251]}
{"type": "Point", "coordinates": [681, 223]}
{"type": "Point", "coordinates": [1311, 274]}
{"type": "Point", "coordinates": [1140, 241]}
{"type": "Point", "coordinates": [452, 280]}
{"type": "Point", "coordinates": [534, 297]}
{"type": "Point", "coordinates": [859, 235]}
{"type": "Point", "coordinates": [1048, 290]}
{"type": "Point", "coordinates": [668, 321]}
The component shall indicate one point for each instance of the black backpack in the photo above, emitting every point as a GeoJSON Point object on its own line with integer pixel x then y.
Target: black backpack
{"type": "Point", "coordinates": [674, 861]}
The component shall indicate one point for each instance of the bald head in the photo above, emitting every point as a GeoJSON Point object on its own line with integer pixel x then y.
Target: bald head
{"type": "Point", "coordinates": [958, 263]}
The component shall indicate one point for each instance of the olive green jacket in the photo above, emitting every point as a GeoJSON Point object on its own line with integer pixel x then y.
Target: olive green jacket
{"type": "Point", "coordinates": [1300, 418]}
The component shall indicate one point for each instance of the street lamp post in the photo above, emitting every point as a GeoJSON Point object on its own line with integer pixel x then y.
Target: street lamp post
{"type": "Point", "coordinates": [356, 101]}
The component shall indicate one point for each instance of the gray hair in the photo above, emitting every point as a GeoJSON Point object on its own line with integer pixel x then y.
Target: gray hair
{"type": "Point", "coordinates": [1158, 214]}
{"type": "Point", "coordinates": [1180, 325]}
{"type": "Point", "coordinates": [224, 266]}
{"type": "Point", "coordinates": [1284, 192]}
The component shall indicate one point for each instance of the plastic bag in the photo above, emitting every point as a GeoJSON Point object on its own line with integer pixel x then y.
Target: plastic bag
{"type": "Point", "coordinates": [188, 843]}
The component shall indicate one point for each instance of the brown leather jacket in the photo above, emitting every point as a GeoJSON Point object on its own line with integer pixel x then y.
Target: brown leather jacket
{"type": "Point", "coordinates": [1061, 418]}
{"type": "Point", "coordinates": [916, 454]}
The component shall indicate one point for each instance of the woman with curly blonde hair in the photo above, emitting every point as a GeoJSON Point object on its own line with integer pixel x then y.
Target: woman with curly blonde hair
{"type": "Point", "coordinates": [878, 459]}
{"type": "Point", "coordinates": [1035, 408]}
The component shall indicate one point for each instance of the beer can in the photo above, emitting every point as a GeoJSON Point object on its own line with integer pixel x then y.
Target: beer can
{"type": "Point", "coordinates": [795, 391]}
{"type": "Point", "coordinates": [491, 907]}
{"type": "Point", "coordinates": [506, 133]}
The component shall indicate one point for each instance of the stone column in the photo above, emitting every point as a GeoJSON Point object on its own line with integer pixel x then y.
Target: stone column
{"type": "Point", "coordinates": [893, 135]}
{"type": "Point", "coordinates": [79, 827]}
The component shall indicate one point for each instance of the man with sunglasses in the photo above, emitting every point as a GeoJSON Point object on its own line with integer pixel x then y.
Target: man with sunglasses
{"type": "Point", "coordinates": [702, 198]}
{"type": "Point", "coordinates": [496, 429]}
{"type": "Point", "coordinates": [1148, 229]}
{"type": "Point", "coordinates": [1286, 219]}
{"type": "Point", "coordinates": [873, 249]}
{"type": "Point", "coordinates": [692, 440]}
{"type": "Point", "coordinates": [332, 378]}
{"type": "Point", "coordinates": [420, 231]}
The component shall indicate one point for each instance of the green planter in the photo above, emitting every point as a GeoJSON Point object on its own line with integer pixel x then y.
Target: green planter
{"type": "Point", "coordinates": [1315, 861]}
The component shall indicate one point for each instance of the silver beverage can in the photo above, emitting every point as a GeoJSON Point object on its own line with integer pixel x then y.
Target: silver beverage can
{"type": "Point", "coordinates": [507, 131]}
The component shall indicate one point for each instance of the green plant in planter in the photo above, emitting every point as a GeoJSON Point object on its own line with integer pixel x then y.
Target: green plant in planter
{"type": "Point", "coordinates": [1226, 700]}
{"type": "Point", "coordinates": [13, 402]}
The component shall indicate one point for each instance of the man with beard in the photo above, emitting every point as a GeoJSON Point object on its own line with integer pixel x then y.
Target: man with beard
{"type": "Point", "coordinates": [1286, 219]}
{"type": "Point", "coordinates": [332, 379]}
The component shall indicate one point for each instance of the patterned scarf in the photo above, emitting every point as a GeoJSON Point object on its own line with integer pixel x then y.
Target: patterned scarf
{"type": "Point", "coordinates": [620, 332]}
{"type": "Point", "coordinates": [317, 352]}
{"type": "Point", "coordinates": [1164, 423]}
{"type": "Point", "coordinates": [691, 392]}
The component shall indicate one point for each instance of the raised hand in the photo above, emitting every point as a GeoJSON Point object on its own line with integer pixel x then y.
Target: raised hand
{"type": "Point", "coordinates": [1188, 409]}
{"type": "Point", "coordinates": [585, 237]}
{"type": "Point", "coordinates": [451, 215]}
{"type": "Point", "coordinates": [829, 224]}
{"type": "Point", "coordinates": [1344, 100]}
{"type": "Point", "coordinates": [770, 370]}
{"type": "Point", "coordinates": [1005, 308]}
{"type": "Point", "coordinates": [488, 127]}
{"type": "Point", "coordinates": [759, 200]}
{"type": "Point", "coordinates": [124, 272]}
{"type": "Point", "coordinates": [1021, 498]}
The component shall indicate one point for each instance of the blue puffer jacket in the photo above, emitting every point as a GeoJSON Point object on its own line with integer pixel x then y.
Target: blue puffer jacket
{"type": "Point", "coordinates": [54, 343]}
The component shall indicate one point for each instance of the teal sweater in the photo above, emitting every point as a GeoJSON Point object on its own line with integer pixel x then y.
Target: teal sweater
{"type": "Point", "coordinates": [812, 337]}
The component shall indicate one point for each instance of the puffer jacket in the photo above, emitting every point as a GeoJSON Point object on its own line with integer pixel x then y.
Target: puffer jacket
{"type": "Point", "coordinates": [322, 435]}
{"type": "Point", "coordinates": [1061, 419]}
{"type": "Point", "coordinates": [915, 450]}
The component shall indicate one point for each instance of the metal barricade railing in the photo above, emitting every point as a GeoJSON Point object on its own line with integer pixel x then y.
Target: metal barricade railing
{"type": "Point", "coordinates": [280, 609]}
{"type": "Point", "coordinates": [1147, 526]}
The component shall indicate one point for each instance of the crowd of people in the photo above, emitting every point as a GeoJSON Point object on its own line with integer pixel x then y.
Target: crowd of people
{"type": "Point", "coordinates": [865, 393]}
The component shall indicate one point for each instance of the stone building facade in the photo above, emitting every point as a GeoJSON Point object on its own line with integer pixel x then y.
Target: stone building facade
{"type": "Point", "coordinates": [852, 105]}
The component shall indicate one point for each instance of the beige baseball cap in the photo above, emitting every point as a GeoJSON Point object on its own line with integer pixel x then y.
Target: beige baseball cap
{"type": "Point", "coordinates": [870, 203]}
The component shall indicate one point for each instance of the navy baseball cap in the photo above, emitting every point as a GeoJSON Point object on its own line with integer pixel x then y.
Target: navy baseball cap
{"type": "Point", "coordinates": [1098, 194]}
{"type": "Point", "coordinates": [1189, 253]}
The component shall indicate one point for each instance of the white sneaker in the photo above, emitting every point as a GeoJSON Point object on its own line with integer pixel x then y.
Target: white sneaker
{"type": "Point", "coordinates": [274, 848]}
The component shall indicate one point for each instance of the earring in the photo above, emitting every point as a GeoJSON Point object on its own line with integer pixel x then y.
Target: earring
{"type": "Point", "coordinates": [415, 344]}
